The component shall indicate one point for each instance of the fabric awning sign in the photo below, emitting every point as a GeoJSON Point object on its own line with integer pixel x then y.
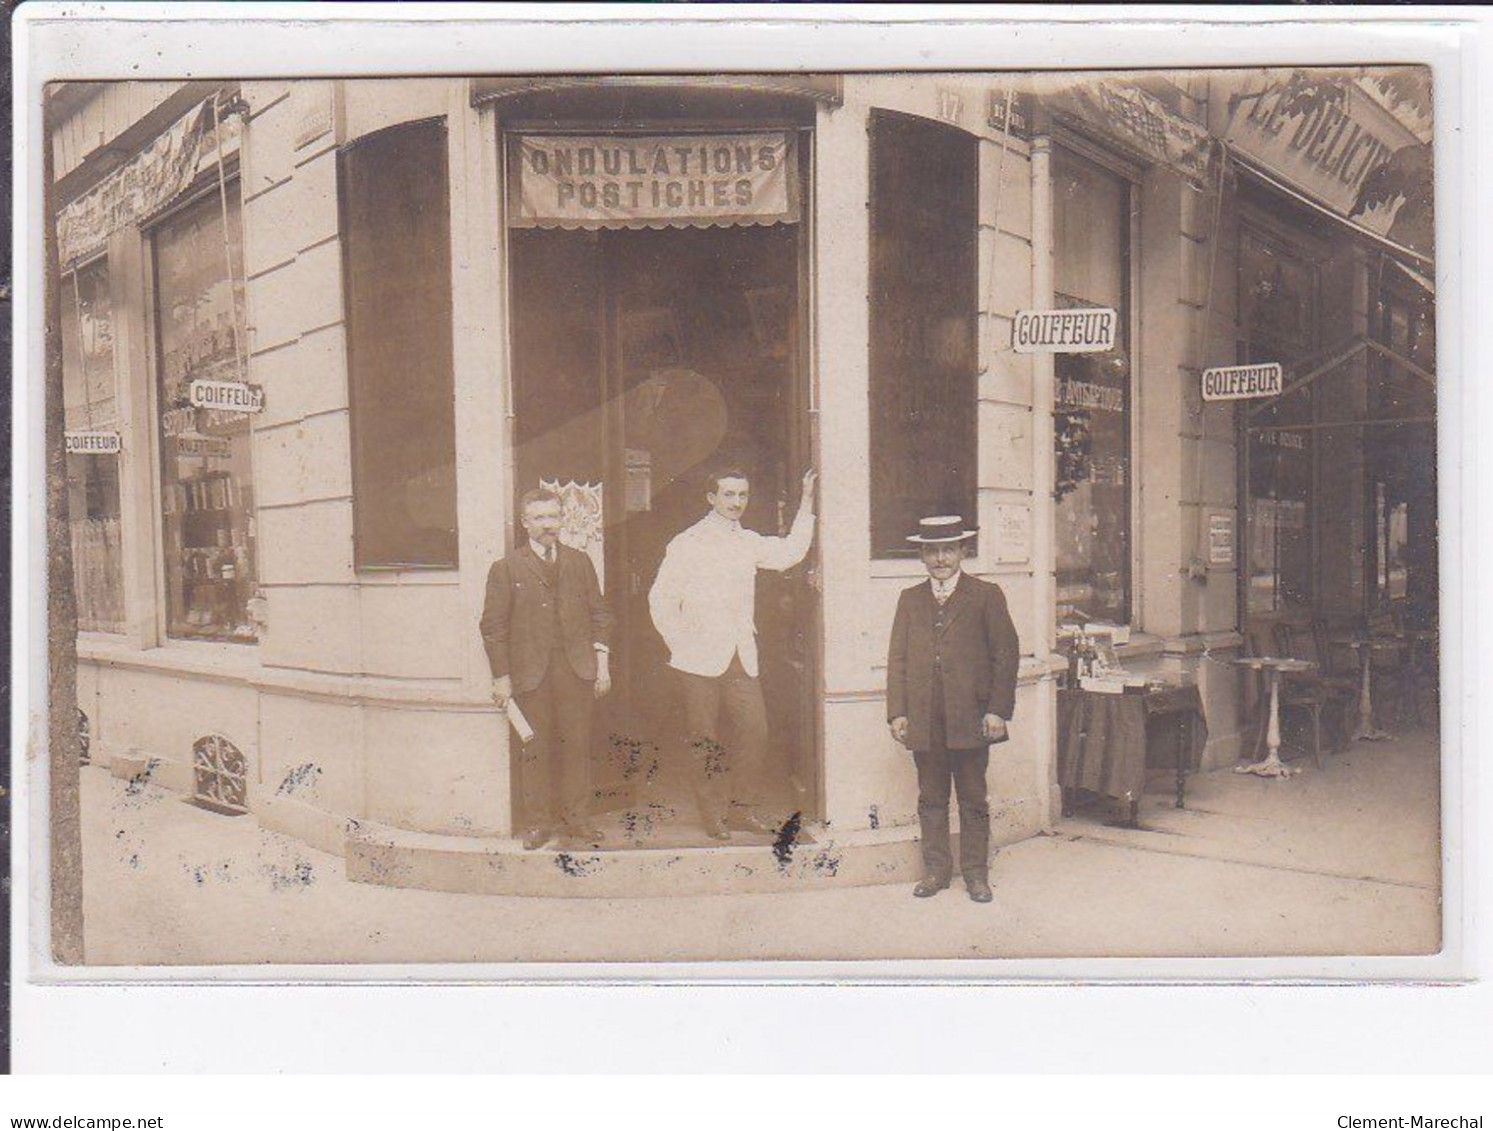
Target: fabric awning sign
{"type": "Point", "coordinates": [1140, 122]}
{"type": "Point", "coordinates": [149, 181]}
{"type": "Point", "coordinates": [1321, 152]}
{"type": "Point", "coordinates": [629, 181]}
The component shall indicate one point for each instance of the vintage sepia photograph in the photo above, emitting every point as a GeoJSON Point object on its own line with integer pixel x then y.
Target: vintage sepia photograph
{"type": "Point", "coordinates": [703, 517]}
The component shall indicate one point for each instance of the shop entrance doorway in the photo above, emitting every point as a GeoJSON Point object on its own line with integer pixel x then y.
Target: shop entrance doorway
{"type": "Point", "coordinates": [642, 359]}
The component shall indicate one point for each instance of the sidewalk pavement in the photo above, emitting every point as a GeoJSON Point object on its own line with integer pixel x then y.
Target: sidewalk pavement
{"type": "Point", "coordinates": [1342, 861]}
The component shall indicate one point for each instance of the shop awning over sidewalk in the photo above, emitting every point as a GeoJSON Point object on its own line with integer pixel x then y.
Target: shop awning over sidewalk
{"type": "Point", "coordinates": [145, 182]}
{"type": "Point", "coordinates": [1404, 256]}
{"type": "Point", "coordinates": [1353, 144]}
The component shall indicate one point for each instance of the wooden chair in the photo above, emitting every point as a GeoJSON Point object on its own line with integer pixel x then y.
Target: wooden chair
{"type": "Point", "coordinates": [1390, 668]}
{"type": "Point", "coordinates": [1333, 693]}
{"type": "Point", "coordinates": [1423, 678]}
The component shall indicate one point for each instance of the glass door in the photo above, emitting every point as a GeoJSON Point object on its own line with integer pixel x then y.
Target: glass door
{"type": "Point", "coordinates": [1278, 319]}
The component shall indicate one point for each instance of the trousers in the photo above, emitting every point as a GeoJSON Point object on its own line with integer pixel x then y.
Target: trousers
{"type": "Point", "coordinates": [555, 765]}
{"type": "Point", "coordinates": [728, 704]}
{"type": "Point", "coordinates": [965, 769]}
{"type": "Point", "coordinates": [938, 768]}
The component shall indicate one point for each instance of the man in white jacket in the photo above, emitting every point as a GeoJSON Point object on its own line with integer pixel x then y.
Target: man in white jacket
{"type": "Point", "coordinates": [703, 604]}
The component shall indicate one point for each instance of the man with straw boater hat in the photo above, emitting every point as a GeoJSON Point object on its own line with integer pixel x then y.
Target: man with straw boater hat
{"type": "Point", "coordinates": [951, 689]}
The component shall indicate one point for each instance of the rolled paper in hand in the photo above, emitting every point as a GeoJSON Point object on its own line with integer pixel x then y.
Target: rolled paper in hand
{"type": "Point", "coordinates": [519, 723]}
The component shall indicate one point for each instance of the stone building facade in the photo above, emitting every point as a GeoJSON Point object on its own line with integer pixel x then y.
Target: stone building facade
{"type": "Point", "coordinates": [280, 605]}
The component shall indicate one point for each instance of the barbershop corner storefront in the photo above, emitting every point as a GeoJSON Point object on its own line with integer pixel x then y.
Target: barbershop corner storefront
{"type": "Point", "coordinates": [443, 292]}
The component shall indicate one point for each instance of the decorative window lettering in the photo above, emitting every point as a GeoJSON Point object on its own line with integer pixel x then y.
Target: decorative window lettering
{"type": "Point", "coordinates": [1072, 393]}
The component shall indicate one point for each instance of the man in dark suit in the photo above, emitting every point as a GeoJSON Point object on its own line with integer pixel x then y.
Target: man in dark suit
{"type": "Point", "coordinates": [951, 689]}
{"type": "Point", "coordinates": [546, 627]}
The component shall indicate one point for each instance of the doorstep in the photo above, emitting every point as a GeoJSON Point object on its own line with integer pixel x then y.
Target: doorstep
{"type": "Point", "coordinates": [379, 854]}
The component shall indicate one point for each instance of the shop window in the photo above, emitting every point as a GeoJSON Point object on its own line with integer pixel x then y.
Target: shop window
{"type": "Point", "coordinates": [1091, 405]}
{"type": "Point", "coordinates": [924, 295]}
{"type": "Point", "coordinates": [1400, 461]}
{"type": "Point", "coordinates": [397, 281]}
{"type": "Point", "coordinates": [92, 480]}
{"type": "Point", "coordinates": [1278, 319]}
{"type": "Point", "coordinates": [207, 486]}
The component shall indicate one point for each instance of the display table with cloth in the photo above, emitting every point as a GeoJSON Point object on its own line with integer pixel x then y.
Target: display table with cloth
{"type": "Point", "coordinates": [1106, 742]}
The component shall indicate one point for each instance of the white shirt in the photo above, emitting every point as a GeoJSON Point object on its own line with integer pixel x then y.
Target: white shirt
{"type": "Point", "coordinates": [943, 590]}
{"type": "Point", "coordinates": [704, 598]}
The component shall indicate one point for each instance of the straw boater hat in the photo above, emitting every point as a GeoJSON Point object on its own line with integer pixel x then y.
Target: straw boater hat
{"type": "Point", "coordinates": [941, 528]}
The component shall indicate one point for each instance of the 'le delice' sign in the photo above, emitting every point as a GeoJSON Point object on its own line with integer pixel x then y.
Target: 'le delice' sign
{"type": "Point", "coordinates": [688, 180]}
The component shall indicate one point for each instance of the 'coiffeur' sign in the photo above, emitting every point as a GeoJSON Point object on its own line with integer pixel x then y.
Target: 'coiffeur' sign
{"type": "Point", "coordinates": [1074, 330]}
{"type": "Point", "coordinates": [92, 443]}
{"type": "Point", "coordinates": [1242, 382]}
{"type": "Point", "coordinates": [229, 396]}
{"type": "Point", "coordinates": [688, 180]}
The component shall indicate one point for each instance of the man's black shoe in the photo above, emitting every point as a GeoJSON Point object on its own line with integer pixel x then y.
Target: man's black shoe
{"type": "Point", "coordinates": [930, 885]}
{"type": "Point", "coordinates": [978, 888]}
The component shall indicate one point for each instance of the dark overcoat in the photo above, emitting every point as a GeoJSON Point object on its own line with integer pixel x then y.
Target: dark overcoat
{"type": "Point", "coordinates": [518, 619]}
{"type": "Point", "coordinates": [978, 654]}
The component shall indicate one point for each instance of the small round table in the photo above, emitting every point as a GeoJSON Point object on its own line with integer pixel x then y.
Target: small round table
{"type": "Point", "coordinates": [1366, 646]}
{"type": "Point", "coordinates": [1273, 667]}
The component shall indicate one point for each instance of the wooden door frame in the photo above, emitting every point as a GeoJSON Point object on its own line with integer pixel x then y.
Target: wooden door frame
{"type": "Point", "coordinates": [804, 421]}
{"type": "Point", "coordinates": [804, 439]}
